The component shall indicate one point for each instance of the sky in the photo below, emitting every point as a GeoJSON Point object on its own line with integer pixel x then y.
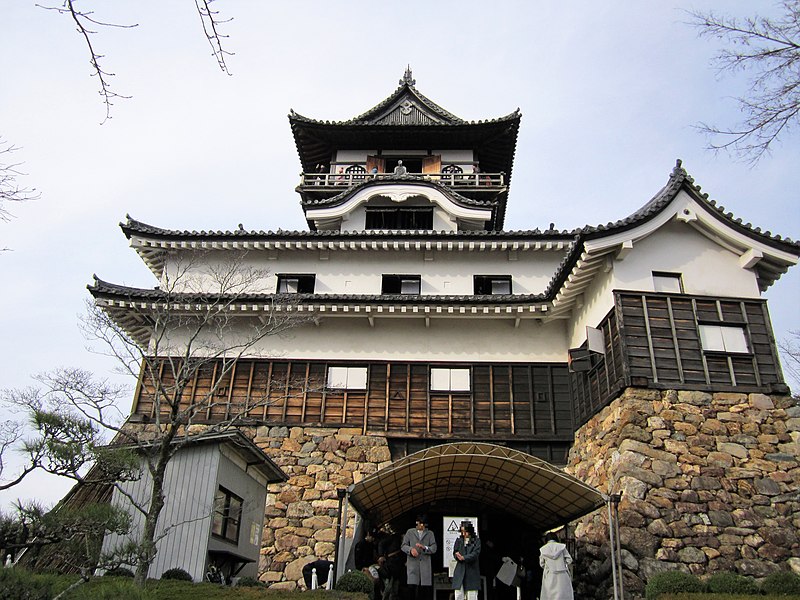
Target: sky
{"type": "Point", "coordinates": [610, 93]}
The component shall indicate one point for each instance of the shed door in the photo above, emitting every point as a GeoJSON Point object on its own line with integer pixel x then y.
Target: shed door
{"type": "Point", "coordinates": [376, 161]}
{"type": "Point", "coordinates": [432, 164]}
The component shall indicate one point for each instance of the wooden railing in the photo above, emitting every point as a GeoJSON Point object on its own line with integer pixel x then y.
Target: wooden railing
{"type": "Point", "coordinates": [474, 181]}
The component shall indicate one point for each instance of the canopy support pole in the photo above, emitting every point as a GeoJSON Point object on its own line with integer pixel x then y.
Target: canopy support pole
{"type": "Point", "coordinates": [615, 546]}
{"type": "Point", "coordinates": [615, 499]}
{"type": "Point", "coordinates": [613, 554]}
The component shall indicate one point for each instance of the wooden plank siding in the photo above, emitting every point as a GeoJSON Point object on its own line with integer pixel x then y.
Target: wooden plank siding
{"type": "Point", "coordinates": [653, 340]}
{"type": "Point", "coordinates": [525, 401]}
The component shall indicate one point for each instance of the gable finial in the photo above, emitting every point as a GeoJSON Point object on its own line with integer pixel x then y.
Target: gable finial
{"type": "Point", "coordinates": [407, 77]}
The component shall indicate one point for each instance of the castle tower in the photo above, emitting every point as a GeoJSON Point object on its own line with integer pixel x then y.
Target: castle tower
{"type": "Point", "coordinates": [438, 363]}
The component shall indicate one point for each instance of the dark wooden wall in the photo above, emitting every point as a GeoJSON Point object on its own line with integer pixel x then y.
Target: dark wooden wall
{"type": "Point", "coordinates": [653, 340]}
{"type": "Point", "coordinates": [524, 403]}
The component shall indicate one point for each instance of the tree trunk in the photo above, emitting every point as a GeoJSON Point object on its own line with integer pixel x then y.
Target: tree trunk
{"type": "Point", "coordinates": [147, 545]}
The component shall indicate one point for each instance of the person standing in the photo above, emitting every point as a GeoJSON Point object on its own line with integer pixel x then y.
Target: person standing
{"type": "Point", "coordinates": [419, 544]}
{"type": "Point", "coordinates": [366, 551]}
{"type": "Point", "coordinates": [467, 574]}
{"type": "Point", "coordinates": [391, 561]}
{"type": "Point", "coordinates": [555, 560]}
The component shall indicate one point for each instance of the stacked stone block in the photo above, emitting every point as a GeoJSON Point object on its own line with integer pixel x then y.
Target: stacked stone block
{"type": "Point", "coordinates": [709, 482]}
{"type": "Point", "coordinates": [301, 514]}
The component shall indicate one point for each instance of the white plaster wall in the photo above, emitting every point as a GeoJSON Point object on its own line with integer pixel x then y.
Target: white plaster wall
{"type": "Point", "coordinates": [464, 158]}
{"type": "Point", "coordinates": [456, 156]}
{"type": "Point", "coordinates": [354, 156]}
{"type": "Point", "coordinates": [597, 301]}
{"type": "Point", "coordinates": [707, 268]}
{"type": "Point", "coordinates": [452, 339]}
{"type": "Point", "coordinates": [359, 272]}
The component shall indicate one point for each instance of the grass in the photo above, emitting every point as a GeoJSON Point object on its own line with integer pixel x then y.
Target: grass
{"type": "Point", "coordinates": [723, 597]}
{"type": "Point", "coordinates": [122, 588]}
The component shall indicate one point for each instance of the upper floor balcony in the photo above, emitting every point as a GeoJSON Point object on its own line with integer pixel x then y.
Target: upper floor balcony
{"type": "Point", "coordinates": [468, 184]}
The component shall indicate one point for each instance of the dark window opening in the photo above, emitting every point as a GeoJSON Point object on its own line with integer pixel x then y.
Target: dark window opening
{"type": "Point", "coordinates": [296, 284]}
{"type": "Point", "coordinates": [492, 284]}
{"type": "Point", "coordinates": [400, 284]}
{"type": "Point", "coordinates": [227, 515]}
{"type": "Point", "coordinates": [399, 218]}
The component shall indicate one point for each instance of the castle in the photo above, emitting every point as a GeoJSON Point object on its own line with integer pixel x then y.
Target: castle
{"type": "Point", "coordinates": [432, 361]}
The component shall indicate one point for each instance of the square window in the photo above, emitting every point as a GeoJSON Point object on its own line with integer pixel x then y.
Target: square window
{"type": "Point", "coordinates": [667, 282]}
{"type": "Point", "coordinates": [347, 378]}
{"type": "Point", "coordinates": [227, 515]}
{"type": "Point", "coordinates": [485, 285]}
{"type": "Point", "coordinates": [296, 284]}
{"type": "Point", "coordinates": [723, 338]}
{"type": "Point", "coordinates": [401, 284]}
{"type": "Point", "coordinates": [449, 380]}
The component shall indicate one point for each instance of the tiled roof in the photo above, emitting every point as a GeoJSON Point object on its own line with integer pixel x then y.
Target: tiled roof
{"type": "Point", "coordinates": [406, 89]}
{"type": "Point", "coordinates": [679, 179]}
{"type": "Point", "coordinates": [133, 227]}
{"type": "Point", "coordinates": [102, 288]}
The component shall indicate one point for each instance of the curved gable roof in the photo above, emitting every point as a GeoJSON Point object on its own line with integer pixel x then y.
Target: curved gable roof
{"type": "Point", "coordinates": [517, 483]}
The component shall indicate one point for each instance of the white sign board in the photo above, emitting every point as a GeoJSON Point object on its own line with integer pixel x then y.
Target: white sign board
{"type": "Point", "coordinates": [595, 341]}
{"type": "Point", "coordinates": [452, 531]}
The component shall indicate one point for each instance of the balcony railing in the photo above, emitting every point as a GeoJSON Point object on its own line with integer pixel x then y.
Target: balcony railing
{"type": "Point", "coordinates": [464, 181]}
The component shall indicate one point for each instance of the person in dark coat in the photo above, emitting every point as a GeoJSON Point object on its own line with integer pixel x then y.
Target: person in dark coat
{"type": "Point", "coordinates": [366, 551]}
{"type": "Point", "coordinates": [392, 564]}
{"type": "Point", "coordinates": [467, 574]}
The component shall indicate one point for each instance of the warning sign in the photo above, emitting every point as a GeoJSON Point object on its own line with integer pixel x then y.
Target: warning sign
{"type": "Point", "coordinates": [452, 531]}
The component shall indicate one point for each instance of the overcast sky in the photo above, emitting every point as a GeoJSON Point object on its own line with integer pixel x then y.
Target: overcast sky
{"type": "Point", "coordinates": [609, 93]}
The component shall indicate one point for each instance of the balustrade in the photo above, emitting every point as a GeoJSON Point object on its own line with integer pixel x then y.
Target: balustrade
{"type": "Point", "coordinates": [473, 181]}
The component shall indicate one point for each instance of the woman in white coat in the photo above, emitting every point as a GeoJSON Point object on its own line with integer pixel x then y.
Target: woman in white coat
{"type": "Point", "coordinates": [556, 579]}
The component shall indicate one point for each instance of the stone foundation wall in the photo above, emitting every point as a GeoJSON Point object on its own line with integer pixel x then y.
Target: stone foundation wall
{"type": "Point", "coordinates": [709, 482]}
{"type": "Point", "coordinates": [300, 520]}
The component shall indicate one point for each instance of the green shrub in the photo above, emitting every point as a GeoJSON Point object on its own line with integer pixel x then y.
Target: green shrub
{"type": "Point", "coordinates": [19, 584]}
{"type": "Point", "coordinates": [731, 583]}
{"type": "Point", "coordinates": [177, 574]}
{"type": "Point", "coordinates": [248, 582]}
{"type": "Point", "coordinates": [118, 572]}
{"type": "Point", "coordinates": [672, 582]}
{"type": "Point", "coordinates": [782, 583]}
{"type": "Point", "coordinates": [356, 581]}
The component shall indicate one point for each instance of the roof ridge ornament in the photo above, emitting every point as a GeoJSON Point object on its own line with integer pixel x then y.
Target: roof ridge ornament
{"type": "Point", "coordinates": [408, 79]}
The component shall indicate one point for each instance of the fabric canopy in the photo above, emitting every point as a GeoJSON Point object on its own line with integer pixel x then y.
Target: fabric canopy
{"type": "Point", "coordinates": [504, 479]}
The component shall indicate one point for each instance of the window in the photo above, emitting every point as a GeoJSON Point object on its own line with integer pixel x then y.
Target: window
{"type": "Point", "coordinates": [492, 284]}
{"type": "Point", "coordinates": [399, 218]}
{"type": "Point", "coordinates": [400, 284]}
{"type": "Point", "coordinates": [667, 282]}
{"type": "Point", "coordinates": [296, 284]}
{"type": "Point", "coordinates": [347, 378]}
{"type": "Point", "coordinates": [723, 338]}
{"type": "Point", "coordinates": [449, 380]}
{"type": "Point", "coordinates": [227, 515]}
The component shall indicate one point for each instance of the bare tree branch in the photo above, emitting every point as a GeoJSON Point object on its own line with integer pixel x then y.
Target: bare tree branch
{"type": "Point", "coordinates": [83, 21]}
{"type": "Point", "coordinates": [769, 50]}
{"type": "Point", "coordinates": [211, 27]}
{"type": "Point", "coordinates": [790, 352]}
{"type": "Point", "coordinates": [86, 24]}
{"type": "Point", "coordinates": [10, 190]}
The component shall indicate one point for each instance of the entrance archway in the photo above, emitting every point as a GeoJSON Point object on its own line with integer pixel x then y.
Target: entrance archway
{"type": "Point", "coordinates": [519, 484]}
{"type": "Point", "coordinates": [516, 497]}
